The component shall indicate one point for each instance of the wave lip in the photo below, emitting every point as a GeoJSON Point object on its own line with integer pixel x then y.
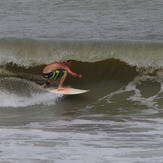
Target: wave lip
{"type": "Point", "coordinates": [32, 53]}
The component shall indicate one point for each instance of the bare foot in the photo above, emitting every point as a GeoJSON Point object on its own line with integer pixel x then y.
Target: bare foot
{"type": "Point", "coordinates": [61, 88]}
{"type": "Point", "coordinates": [46, 86]}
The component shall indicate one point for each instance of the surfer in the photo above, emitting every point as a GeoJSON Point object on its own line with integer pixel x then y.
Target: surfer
{"type": "Point", "coordinates": [58, 71]}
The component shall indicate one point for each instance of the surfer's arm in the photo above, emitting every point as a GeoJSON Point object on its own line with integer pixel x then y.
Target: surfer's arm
{"type": "Point", "coordinates": [73, 73]}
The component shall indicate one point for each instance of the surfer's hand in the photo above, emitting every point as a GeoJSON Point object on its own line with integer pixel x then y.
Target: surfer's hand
{"type": "Point", "coordinates": [80, 75]}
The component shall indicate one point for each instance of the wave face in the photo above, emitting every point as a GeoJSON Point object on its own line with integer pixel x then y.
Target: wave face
{"type": "Point", "coordinates": [32, 53]}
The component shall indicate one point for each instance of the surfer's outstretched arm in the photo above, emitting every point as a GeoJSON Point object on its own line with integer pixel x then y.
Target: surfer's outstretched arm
{"type": "Point", "coordinates": [73, 73]}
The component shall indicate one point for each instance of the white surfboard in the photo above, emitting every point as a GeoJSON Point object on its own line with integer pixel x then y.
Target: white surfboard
{"type": "Point", "coordinates": [66, 91]}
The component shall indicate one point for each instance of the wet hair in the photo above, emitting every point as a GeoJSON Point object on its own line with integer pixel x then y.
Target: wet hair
{"type": "Point", "coordinates": [68, 60]}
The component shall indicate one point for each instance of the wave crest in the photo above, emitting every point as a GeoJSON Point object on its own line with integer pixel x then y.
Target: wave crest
{"type": "Point", "coordinates": [32, 53]}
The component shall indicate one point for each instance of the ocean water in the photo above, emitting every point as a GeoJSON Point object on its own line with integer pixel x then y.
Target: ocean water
{"type": "Point", "coordinates": [117, 46]}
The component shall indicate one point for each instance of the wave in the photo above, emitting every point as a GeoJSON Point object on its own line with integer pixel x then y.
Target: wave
{"type": "Point", "coordinates": [32, 53]}
{"type": "Point", "coordinates": [130, 70]}
{"type": "Point", "coordinates": [111, 83]}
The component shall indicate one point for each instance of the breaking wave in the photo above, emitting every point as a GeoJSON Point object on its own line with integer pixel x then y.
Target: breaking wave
{"type": "Point", "coordinates": [32, 53]}
{"type": "Point", "coordinates": [109, 68]}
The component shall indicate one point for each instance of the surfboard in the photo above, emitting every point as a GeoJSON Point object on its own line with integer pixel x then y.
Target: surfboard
{"type": "Point", "coordinates": [66, 91]}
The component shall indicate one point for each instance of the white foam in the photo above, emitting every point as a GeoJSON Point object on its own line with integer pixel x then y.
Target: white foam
{"type": "Point", "coordinates": [70, 141]}
{"type": "Point", "coordinates": [137, 95]}
{"type": "Point", "coordinates": [13, 100]}
{"type": "Point", "coordinates": [21, 93]}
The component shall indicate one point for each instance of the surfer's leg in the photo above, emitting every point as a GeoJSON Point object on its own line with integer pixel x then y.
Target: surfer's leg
{"type": "Point", "coordinates": [49, 77]}
{"type": "Point", "coordinates": [47, 83]}
{"type": "Point", "coordinates": [62, 80]}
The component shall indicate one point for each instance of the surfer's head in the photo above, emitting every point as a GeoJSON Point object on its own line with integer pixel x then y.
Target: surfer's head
{"type": "Point", "coordinates": [68, 62]}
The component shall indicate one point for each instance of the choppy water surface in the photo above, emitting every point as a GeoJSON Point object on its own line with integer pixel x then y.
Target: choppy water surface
{"type": "Point", "coordinates": [88, 19]}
